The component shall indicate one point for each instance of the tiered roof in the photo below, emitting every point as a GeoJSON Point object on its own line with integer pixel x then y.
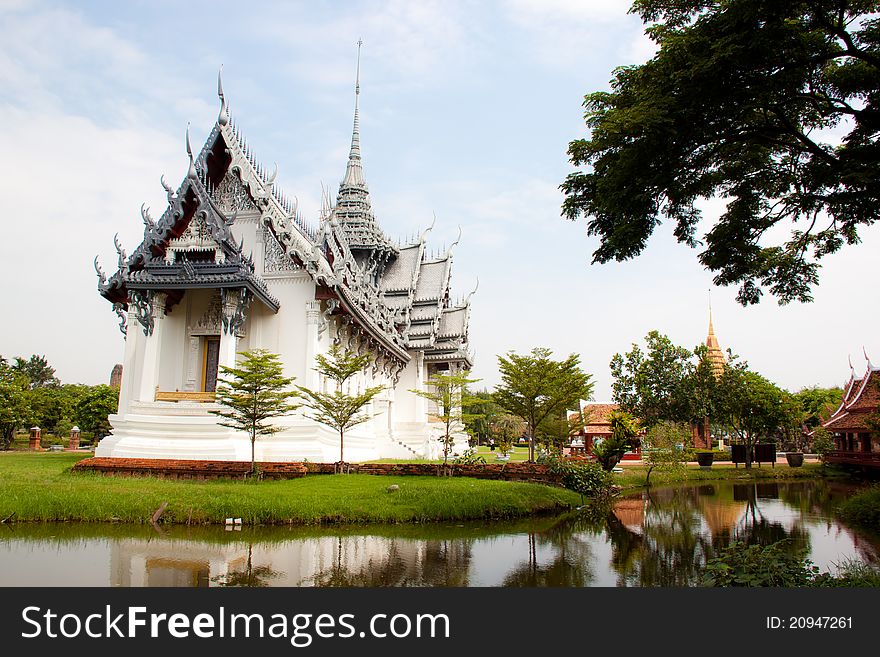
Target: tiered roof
{"type": "Point", "coordinates": [861, 400]}
{"type": "Point", "coordinates": [396, 297]}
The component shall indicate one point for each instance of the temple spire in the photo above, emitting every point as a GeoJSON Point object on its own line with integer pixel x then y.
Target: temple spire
{"type": "Point", "coordinates": [354, 173]}
{"type": "Point", "coordinates": [714, 353]}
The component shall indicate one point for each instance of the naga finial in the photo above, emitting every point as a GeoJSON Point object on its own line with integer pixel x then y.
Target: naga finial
{"type": "Point", "coordinates": [223, 119]}
{"type": "Point", "coordinates": [473, 292]}
{"type": "Point", "coordinates": [102, 277]}
{"type": "Point", "coordinates": [192, 173]}
{"type": "Point", "coordinates": [168, 190]}
{"type": "Point", "coordinates": [145, 215]}
{"type": "Point", "coordinates": [120, 252]}
{"type": "Point", "coordinates": [429, 228]}
{"type": "Point", "coordinates": [457, 240]}
{"type": "Point", "coordinates": [866, 356]}
{"type": "Point", "coordinates": [272, 178]}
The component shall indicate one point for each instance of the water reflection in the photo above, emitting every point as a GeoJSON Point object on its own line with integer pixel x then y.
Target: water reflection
{"type": "Point", "coordinates": [660, 537]}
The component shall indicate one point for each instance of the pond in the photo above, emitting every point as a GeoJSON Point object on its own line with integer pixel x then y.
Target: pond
{"type": "Point", "coordinates": [657, 538]}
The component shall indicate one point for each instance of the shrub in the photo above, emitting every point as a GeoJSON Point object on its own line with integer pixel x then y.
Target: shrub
{"type": "Point", "coordinates": [863, 508]}
{"type": "Point", "coordinates": [755, 565]}
{"type": "Point", "coordinates": [585, 477]}
{"type": "Point", "coordinates": [469, 457]}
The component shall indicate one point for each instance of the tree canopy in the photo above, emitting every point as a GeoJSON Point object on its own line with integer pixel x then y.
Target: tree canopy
{"type": "Point", "coordinates": [449, 393]}
{"type": "Point", "coordinates": [664, 382]}
{"type": "Point", "coordinates": [771, 105]}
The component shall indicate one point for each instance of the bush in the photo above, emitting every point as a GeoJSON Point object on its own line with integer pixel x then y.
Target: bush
{"type": "Point", "coordinates": [584, 477]}
{"type": "Point", "coordinates": [718, 454]}
{"type": "Point", "coordinates": [863, 508]}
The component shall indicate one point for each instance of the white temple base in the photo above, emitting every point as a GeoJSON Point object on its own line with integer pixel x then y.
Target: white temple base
{"type": "Point", "coordinates": [187, 431]}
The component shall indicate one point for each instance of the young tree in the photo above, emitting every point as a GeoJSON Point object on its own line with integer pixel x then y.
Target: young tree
{"type": "Point", "coordinates": [14, 402]}
{"type": "Point", "coordinates": [253, 392]}
{"type": "Point", "coordinates": [506, 428]}
{"type": "Point", "coordinates": [535, 386]}
{"type": "Point", "coordinates": [624, 430]}
{"type": "Point", "coordinates": [449, 394]}
{"type": "Point", "coordinates": [734, 105]}
{"type": "Point", "coordinates": [481, 411]}
{"type": "Point", "coordinates": [340, 410]}
{"type": "Point", "coordinates": [664, 449]}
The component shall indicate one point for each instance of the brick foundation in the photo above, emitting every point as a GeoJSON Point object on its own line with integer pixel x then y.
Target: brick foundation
{"type": "Point", "coordinates": [185, 469]}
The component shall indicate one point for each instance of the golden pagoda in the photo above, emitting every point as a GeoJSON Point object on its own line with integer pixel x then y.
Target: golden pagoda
{"type": "Point", "coordinates": [715, 355]}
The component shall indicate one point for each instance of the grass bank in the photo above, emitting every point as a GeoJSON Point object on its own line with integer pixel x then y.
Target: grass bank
{"type": "Point", "coordinates": [634, 476]}
{"type": "Point", "coordinates": [40, 487]}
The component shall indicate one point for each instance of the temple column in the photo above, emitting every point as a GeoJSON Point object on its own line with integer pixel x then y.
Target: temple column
{"type": "Point", "coordinates": [233, 319]}
{"type": "Point", "coordinates": [129, 360]}
{"type": "Point", "coordinates": [421, 410]}
{"type": "Point", "coordinates": [313, 312]}
{"type": "Point", "coordinates": [152, 325]}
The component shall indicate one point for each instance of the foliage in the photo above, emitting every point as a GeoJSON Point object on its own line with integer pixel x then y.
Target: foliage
{"type": "Point", "coordinates": [340, 410]}
{"type": "Point", "coordinates": [584, 477]}
{"type": "Point", "coordinates": [665, 382]}
{"type": "Point", "coordinates": [449, 394]}
{"type": "Point", "coordinates": [850, 573]}
{"type": "Point", "coordinates": [53, 408]}
{"type": "Point", "coordinates": [734, 105]}
{"type": "Point", "coordinates": [93, 408]}
{"type": "Point", "coordinates": [14, 402]}
{"type": "Point", "coordinates": [863, 508]}
{"type": "Point", "coordinates": [817, 404]}
{"type": "Point", "coordinates": [624, 429]}
{"type": "Point", "coordinates": [253, 392]}
{"type": "Point", "coordinates": [754, 565]}
{"type": "Point", "coordinates": [470, 457]}
{"type": "Point", "coordinates": [505, 428]}
{"type": "Point", "coordinates": [822, 441]}
{"type": "Point", "coordinates": [753, 407]}
{"type": "Point", "coordinates": [37, 370]}
{"type": "Point", "coordinates": [555, 432]}
{"type": "Point", "coordinates": [481, 412]}
{"type": "Point", "coordinates": [665, 448]}
{"type": "Point", "coordinates": [535, 386]}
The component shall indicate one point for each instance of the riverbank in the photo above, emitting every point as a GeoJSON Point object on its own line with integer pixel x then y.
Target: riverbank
{"type": "Point", "coordinates": [633, 476]}
{"type": "Point", "coordinates": [41, 488]}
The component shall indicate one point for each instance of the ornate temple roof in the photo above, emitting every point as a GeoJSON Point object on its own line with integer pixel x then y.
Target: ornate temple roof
{"type": "Point", "coordinates": [861, 400]}
{"type": "Point", "coordinates": [393, 293]}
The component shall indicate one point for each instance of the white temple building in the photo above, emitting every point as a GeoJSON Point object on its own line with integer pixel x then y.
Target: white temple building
{"type": "Point", "coordinates": [230, 266]}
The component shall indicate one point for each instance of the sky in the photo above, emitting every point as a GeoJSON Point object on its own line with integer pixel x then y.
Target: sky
{"type": "Point", "coordinates": [467, 109]}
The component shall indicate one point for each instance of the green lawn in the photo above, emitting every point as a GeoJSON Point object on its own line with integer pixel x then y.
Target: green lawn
{"type": "Point", "coordinates": [634, 476]}
{"type": "Point", "coordinates": [40, 487]}
{"type": "Point", "coordinates": [519, 453]}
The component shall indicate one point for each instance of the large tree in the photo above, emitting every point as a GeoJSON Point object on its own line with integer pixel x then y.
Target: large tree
{"type": "Point", "coordinates": [38, 371]}
{"type": "Point", "coordinates": [665, 382]}
{"type": "Point", "coordinates": [344, 407]}
{"type": "Point", "coordinates": [737, 104]}
{"type": "Point", "coordinates": [755, 408]}
{"type": "Point", "coordinates": [92, 409]}
{"type": "Point", "coordinates": [535, 386]}
{"type": "Point", "coordinates": [252, 393]}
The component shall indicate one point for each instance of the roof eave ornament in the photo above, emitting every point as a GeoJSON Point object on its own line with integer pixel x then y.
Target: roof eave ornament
{"type": "Point", "coordinates": [223, 118]}
{"type": "Point", "coordinates": [453, 245]}
{"type": "Point", "coordinates": [467, 299]}
{"type": "Point", "coordinates": [428, 229]}
{"type": "Point", "coordinates": [102, 277]}
{"type": "Point", "coordinates": [864, 351]}
{"type": "Point", "coordinates": [192, 173]}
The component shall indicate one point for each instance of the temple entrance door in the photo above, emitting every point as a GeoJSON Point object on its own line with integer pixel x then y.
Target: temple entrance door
{"type": "Point", "coordinates": [210, 362]}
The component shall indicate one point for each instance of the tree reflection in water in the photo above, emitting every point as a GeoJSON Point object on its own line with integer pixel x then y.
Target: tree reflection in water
{"type": "Point", "coordinates": [252, 576]}
{"type": "Point", "coordinates": [439, 563]}
{"type": "Point", "coordinates": [683, 527]}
